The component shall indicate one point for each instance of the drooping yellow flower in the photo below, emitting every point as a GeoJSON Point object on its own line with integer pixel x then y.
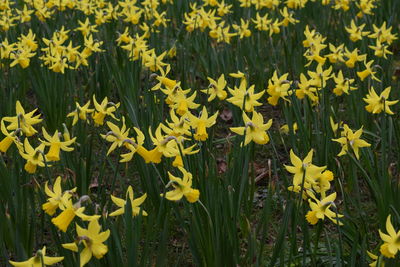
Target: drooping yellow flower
{"type": "Point", "coordinates": [34, 157]}
{"type": "Point", "coordinates": [278, 87]}
{"type": "Point", "coordinates": [182, 187]}
{"type": "Point", "coordinates": [163, 145]}
{"type": "Point", "coordinates": [92, 238]}
{"type": "Point", "coordinates": [367, 72]}
{"type": "Point", "coordinates": [216, 88]}
{"type": "Point", "coordinates": [306, 88]}
{"type": "Point", "coordinates": [80, 112]}
{"type": "Point", "coordinates": [343, 85]}
{"type": "Point", "coordinates": [321, 209]}
{"type": "Point", "coordinates": [135, 203]}
{"type": "Point", "coordinates": [102, 110]}
{"type": "Point", "coordinates": [378, 103]}
{"type": "Point", "coordinates": [356, 32]}
{"type": "Point", "coordinates": [39, 260]}
{"type": "Point", "coordinates": [178, 126]}
{"type": "Point", "coordinates": [303, 169]}
{"type": "Point", "coordinates": [319, 77]}
{"type": "Point", "coordinates": [22, 120]}
{"type": "Point", "coordinates": [201, 123]}
{"type": "Point", "coordinates": [391, 244]}
{"type": "Point", "coordinates": [57, 197]}
{"type": "Point", "coordinates": [69, 211]}
{"type": "Point", "coordinates": [164, 80]}
{"type": "Point", "coordinates": [9, 139]}
{"type": "Point", "coordinates": [336, 54]}
{"type": "Point", "coordinates": [116, 135]}
{"type": "Point", "coordinates": [56, 145]}
{"type": "Point", "coordinates": [381, 49]}
{"type": "Point", "coordinates": [242, 29]}
{"type": "Point", "coordinates": [254, 129]}
{"type": "Point", "coordinates": [351, 140]}
{"type": "Point", "coordinates": [353, 57]}
{"type": "Point", "coordinates": [383, 34]}
{"type": "Point", "coordinates": [244, 97]}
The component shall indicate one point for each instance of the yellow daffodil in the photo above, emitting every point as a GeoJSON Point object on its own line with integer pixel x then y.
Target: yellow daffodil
{"type": "Point", "coordinates": [391, 245]}
{"type": "Point", "coordinates": [178, 126]}
{"type": "Point", "coordinates": [80, 112]}
{"type": "Point", "coordinates": [34, 157]}
{"type": "Point", "coordinates": [351, 140]}
{"type": "Point", "coordinates": [378, 103]}
{"type": "Point", "coordinates": [244, 97]}
{"type": "Point", "coordinates": [285, 128]}
{"type": "Point", "coordinates": [367, 72]}
{"type": "Point", "coordinates": [380, 49]}
{"type": "Point", "coordinates": [306, 88]}
{"type": "Point", "coordinates": [135, 203]}
{"type": "Point", "coordinates": [69, 211]}
{"type": "Point", "coordinates": [336, 54]}
{"type": "Point", "coordinates": [182, 187]}
{"type": "Point", "coordinates": [321, 209]}
{"type": "Point", "coordinates": [22, 120]}
{"type": "Point", "coordinates": [56, 196]}
{"type": "Point", "coordinates": [343, 85]}
{"type": "Point", "coordinates": [356, 32]}
{"type": "Point", "coordinates": [116, 135]}
{"type": "Point", "coordinates": [182, 103]}
{"type": "Point", "coordinates": [92, 238]}
{"type": "Point", "coordinates": [353, 57]}
{"type": "Point", "coordinates": [242, 29]}
{"type": "Point", "coordinates": [39, 260]}
{"type": "Point", "coordinates": [375, 260]}
{"type": "Point", "coordinates": [278, 87]}
{"type": "Point", "coordinates": [254, 129]}
{"type": "Point", "coordinates": [201, 123]}
{"type": "Point", "coordinates": [303, 169]}
{"type": "Point", "coordinates": [9, 139]}
{"type": "Point", "coordinates": [56, 145]}
{"type": "Point", "coordinates": [216, 88]}
{"type": "Point", "coordinates": [102, 110]}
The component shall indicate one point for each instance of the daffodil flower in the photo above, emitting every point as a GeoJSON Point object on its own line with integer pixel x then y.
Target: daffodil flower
{"type": "Point", "coordinates": [391, 244]}
{"type": "Point", "coordinates": [23, 120]}
{"type": "Point", "coordinates": [80, 112]}
{"type": "Point", "coordinates": [135, 203]}
{"type": "Point", "coordinates": [9, 139]}
{"type": "Point", "coordinates": [102, 110]}
{"type": "Point", "coordinates": [278, 88]}
{"type": "Point", "coordinates": [351, 140]}
{"type": "Point", "coordinates": [321, 209]}
{"type": "Point", "coordinates": [39, 260]}
{"type": "Point", "coordinates": [244, 97]}
{"type": "Point", "coordinates": [34, 156]}
{"type": "Point", "coordinates": [356, 32]}
{"type": "Point", "coordinates": [201, 123]}
{"type": "Point", "coordinates": [367, 72]}
{"type": "Point", "coordinates": [216, 88]}
{"type": "Point", "coordinates": [178, 126]}
{"type": "Point", "coordinates": [69, 211]}
{"type": "Point", "coordinates": [57, 197]}
{"type": "Point", "coordinates": [378, 103]}
{"type": "Point", "coordinates": [303, 169]}
{"type": "Point", "coordinates": [116, 135]}
{"type": "Point", "coordinates": [92, 238]}
{"type": "Point", "coordinates": [254, 129]}
{"type": "Point", "coordinates": [182, 187]}
{"type": "Point", "coordinates": [343, 85]}
{"type": "Point", "coordinates": [56, 145]}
